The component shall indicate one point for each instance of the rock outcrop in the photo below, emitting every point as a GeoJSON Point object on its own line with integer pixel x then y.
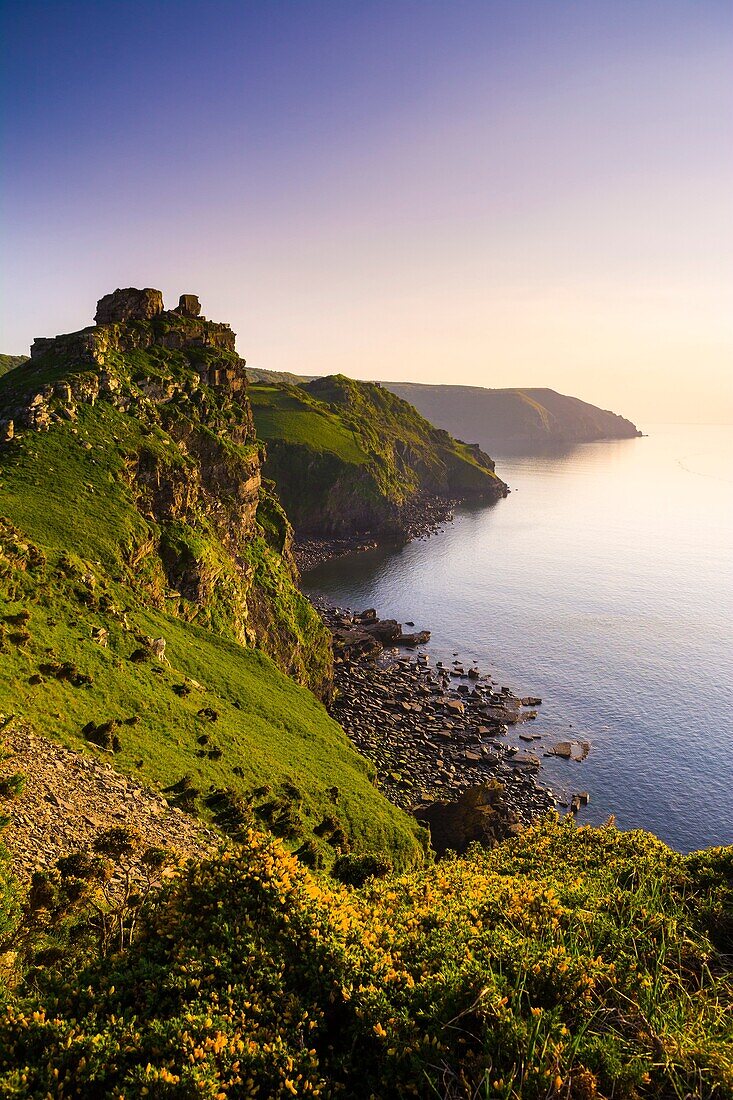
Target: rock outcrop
{"type": "Point", "coordinates": [217, 539]}
{"type": "Point", "coordinates": [189, 305]}
{"type": "Point", "coordinates": [480, 815]}
{"type": "Point", "coordinates": [130, 304]}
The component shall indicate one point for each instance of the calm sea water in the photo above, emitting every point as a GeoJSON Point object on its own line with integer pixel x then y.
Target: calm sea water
{"type": "Point", "coordinates": [603, 583]}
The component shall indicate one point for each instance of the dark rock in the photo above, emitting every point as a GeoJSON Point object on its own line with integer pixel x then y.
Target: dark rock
{"type": "Point", "coordinates": [129, 304]}
{"type": "Point", "coordinates": [189, 305]}
{"type": "Point", "coordinates": [386, 631]}
{"type": "Point", "coordinates": [480, 814]}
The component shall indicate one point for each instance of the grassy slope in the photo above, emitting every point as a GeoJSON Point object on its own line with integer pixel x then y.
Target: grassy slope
{"type": "Point", "coordinates": [569, 963]}
{"type": "Point", "coordinates": [69, 506]}
{"type": "Point", "coordinates": [349, 455]}
{"type": "Point", "coordinates": [277, 377]}
{"type": "Point", "coordinates": [8, 362]}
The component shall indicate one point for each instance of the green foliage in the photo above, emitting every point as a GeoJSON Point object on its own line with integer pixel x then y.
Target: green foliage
{"type": "Point", "coordinates": [9, 362]}
{"type": "Point", "coordinates": [267, 729]}
{"type": "Point", "coordinates": [10, 912]}
{"type": "Point", "coordinates": [569, 963]}
{"type": "Point", "coordinates": [11, 786]}
{"type": "Point", "coordinates": [137, 516]}
{"type": "Point", "coordinates": [86, 907]}
{"type": "Point", "coordinates": [349, 456]}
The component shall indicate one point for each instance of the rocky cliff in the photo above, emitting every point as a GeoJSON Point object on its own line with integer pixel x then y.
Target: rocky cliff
{"type": "Point", "coordinates": [521, 421]}
{"type": "Point", "coordinates": [350, 457]}
{"type": "Point", "coordinates": [151, 609]}
{"type": "Point", "coordinates": [164, 394]}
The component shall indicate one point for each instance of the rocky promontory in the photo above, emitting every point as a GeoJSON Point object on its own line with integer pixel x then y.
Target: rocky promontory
{"type": "Point", "coordinates": [351, 461]}
{"type": "Point", "coordinates": [515, 421]}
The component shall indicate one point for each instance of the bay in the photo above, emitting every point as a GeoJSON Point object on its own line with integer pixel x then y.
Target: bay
{"type": "Point", "coordinates": [603, 583]}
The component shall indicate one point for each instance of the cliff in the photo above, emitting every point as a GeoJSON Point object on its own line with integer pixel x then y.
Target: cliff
{"type": "Point", "coordinates": [152, 604]}
{"type": "Point", "coordinates": [350, 457]}
{"type": "Point", "coordinates": [516, 421]}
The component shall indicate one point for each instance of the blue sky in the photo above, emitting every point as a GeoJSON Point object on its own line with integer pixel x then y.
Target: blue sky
{"type": "Point", "coordinates": [495, 193]}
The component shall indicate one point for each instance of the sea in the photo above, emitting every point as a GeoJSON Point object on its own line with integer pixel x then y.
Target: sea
{"type": "Point", "coordinates": [603, 584]}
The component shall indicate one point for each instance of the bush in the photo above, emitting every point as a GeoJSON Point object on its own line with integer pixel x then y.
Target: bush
{"type": "Point", "coordinates": [573, 963]}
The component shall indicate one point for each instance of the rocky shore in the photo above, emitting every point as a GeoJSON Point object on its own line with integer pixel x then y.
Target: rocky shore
{"type": "Point", "coordinates": [420, 519]}
{"type": "Point", "coordinates": [69, 797]}
{"type": "Point", "coordinates": [437, 735]}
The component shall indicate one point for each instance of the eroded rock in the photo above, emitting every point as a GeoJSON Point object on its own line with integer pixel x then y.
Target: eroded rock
{"type": "Point", "coordinates": [129, 304]}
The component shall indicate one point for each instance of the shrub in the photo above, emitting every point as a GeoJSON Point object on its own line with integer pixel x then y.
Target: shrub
{"type": "Point", "coordinates": [567, 963]}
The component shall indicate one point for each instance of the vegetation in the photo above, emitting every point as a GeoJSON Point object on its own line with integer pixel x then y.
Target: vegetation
{"type": "Point", "coordinates": [277, 377]}
{"type": "Point", "coordinates": [218, 713]}
{"type": "Point", "coordinates": [8, 362]}
{"type": "Point", "coordinates": [349, 456]}
{"type": "Point", "coordinates": [150, 612]}
{"type": "Point", "coordinates": [151, 604]}
{"type": "Point", "coordinates": [573, 963]}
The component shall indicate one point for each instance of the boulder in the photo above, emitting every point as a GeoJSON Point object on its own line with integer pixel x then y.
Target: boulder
{"type": "Point", "coordinates": [480, 814]}
{"type": "Point", "coordinates": [129, 304]}
{"type": "Point", "coordinates": [563, 749]}
{"type": "Point", "coordinates": [386, 631]}
{"type": "Point", "coordinates": [189, 305]}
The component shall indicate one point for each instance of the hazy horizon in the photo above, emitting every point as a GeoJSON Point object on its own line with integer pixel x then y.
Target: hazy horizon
{"type": "Point", "coordinates": [488, 194]}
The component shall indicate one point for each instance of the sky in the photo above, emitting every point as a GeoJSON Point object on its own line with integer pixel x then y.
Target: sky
{"type": "Point", "coordinates": [487, 192]}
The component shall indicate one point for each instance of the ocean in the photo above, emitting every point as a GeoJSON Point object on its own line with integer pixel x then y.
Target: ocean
{"type": "Point", "coordinates": [604, 584]}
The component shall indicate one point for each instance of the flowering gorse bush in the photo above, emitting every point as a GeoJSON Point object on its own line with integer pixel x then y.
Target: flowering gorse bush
{"type": "Point", "coordinates": [568, 962]}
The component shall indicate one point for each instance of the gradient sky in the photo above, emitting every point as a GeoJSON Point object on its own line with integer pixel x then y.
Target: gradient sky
{"type": "Point", "coordinates": [519, 193]}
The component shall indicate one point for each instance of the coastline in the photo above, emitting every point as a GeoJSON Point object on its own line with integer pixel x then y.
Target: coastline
{"type": "Point", "coordinates": [420, 519]}
{"type": "Point", "coordinates": [436, 735]}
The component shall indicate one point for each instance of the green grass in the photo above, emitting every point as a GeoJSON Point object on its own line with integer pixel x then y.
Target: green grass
{"type": "Point", "coordinates": [269, 729]}
{"type": "Point", "coordinates": [288, 416]}
{"type": "Point", "coordinates": [134, 519]}
{"type": "Point", "coordinates": [349, 456]}
{"type": "Point", "coordinates": [9, 362]}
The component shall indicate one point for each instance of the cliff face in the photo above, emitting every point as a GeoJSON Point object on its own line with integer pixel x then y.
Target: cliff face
{"type": "Point", "coordinates": [350, 457]}
{"type": "Point", "coordinates": [514, 421]}
{"type": "Point", "coordinates": [158, 401]}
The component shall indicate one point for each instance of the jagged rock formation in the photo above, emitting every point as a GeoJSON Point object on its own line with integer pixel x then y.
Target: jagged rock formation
{"type": "Point", "coordinates": [129, 305]}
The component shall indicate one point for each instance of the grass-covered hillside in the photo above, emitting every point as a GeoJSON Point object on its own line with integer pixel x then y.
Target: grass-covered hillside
{"type": "Point", "coordinates": [568, 963]}
{"type": "Point", "coordinates": [7, 362]}
{"type": "Point", "coordinates": [514, 421]}
{"type": "Point", "coordinates": [150, 601]}
{"type": "Point", "coordinates": [349, 456]}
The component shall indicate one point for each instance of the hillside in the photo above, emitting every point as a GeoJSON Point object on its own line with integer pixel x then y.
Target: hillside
{"type": "Point", "coordinates": [568, 964]}
{"type": "Point", "coordinates": [7, 362]}
{"type": "Point", "coordinates": [277, 377]}
{"type": "Point", "coordinates": [152, 610]}
{"type": "Point", "coordinates": [516, 421]}
{"type": "Point", "coordinates": [156, 661]}
{"type": "Point", "coordinates": [350, 457]}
